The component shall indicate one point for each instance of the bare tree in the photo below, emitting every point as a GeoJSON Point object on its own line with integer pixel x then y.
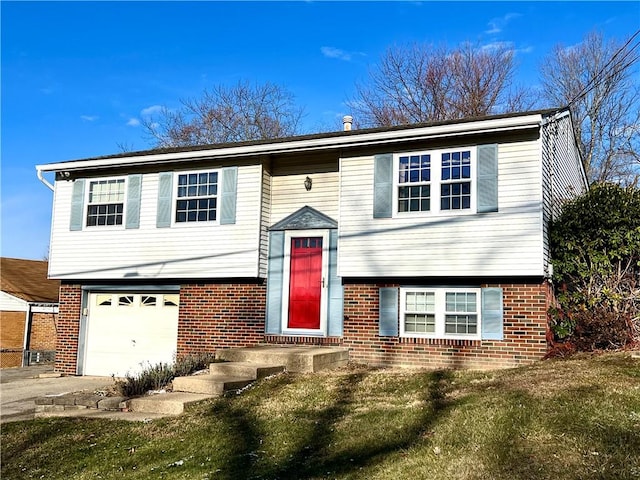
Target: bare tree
{"type": "Point", "coordinates": [223, 114]}
{"type": "Point", "coordinates": [422, 83]}
{"type": "Point", "coordinates": [598, 80]}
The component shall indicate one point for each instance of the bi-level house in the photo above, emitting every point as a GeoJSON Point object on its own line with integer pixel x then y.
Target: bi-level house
{"type": "Point", "coordinates": [416, 245]}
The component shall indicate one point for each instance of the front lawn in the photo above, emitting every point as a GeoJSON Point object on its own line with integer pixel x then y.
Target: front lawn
{"type": "Point", "coordinates": [557, 419]}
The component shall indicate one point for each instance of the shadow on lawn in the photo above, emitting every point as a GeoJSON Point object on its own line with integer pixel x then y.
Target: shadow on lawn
{"type": "Point", "coordinates": [317, 454]}
{"type": "Point", "coordinates": [537, 437]}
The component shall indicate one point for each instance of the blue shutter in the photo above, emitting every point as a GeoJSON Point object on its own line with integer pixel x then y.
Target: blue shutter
{"type": "Point", "coordinates": [336, 290]}
{"type": "Point", "coordinates": [492, 314]}
{"type": "Point", "coordinates": [274, 283]}
{"type": "Point", "coordinates": [165, 199]}
{"type": "Point", "coordinates": [383, 186]}
{"type": "Point", "coordinates": [228, 197]}
{"type": "Point", "coordinates": [388, 321]}
{"type": "Point", "coordinates": [487, 178]}
{"type": "Point", "coordinates": [77, 205]}
{"type": "Point", "coordinates": [134, 187]}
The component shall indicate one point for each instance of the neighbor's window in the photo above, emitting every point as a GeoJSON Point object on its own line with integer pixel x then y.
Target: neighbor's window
{"type": "Point", "coordinates": [440, 312]}
{"type": "Point", "coordinates": [197, 199]}
{"type": "Point", "coordinates": [106, 202]}
{"type": "Point", "coordinates": [435, 181]}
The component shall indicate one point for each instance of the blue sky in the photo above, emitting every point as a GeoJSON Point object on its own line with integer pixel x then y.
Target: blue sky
{"type": "Point", "coordinates": [77, 77]}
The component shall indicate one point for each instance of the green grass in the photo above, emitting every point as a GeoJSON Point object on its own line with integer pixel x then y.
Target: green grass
{"type": "Point", "coordinates": [558, 419]}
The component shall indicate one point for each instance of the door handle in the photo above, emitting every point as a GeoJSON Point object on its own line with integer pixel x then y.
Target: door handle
{"type": "Point", "coordinates": [322, 282]}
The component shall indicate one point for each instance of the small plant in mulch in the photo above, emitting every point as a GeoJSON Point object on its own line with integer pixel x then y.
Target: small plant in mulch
{"type": "Point", "coordinates": [158, 377]}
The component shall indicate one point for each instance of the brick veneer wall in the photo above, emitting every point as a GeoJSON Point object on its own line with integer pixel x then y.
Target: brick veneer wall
{"type": "Point", "coordinates": [43, 331]}
{"type": "Point", "coordinates": [233, 315]}
{"type": "Point", "coordinates": [70, 304]}
{"type": "Point", "coordinates": [525, 326]}
{"type": "Point", "coordinates": [220, 315]}
{"type": "Point", "coordinates": [12, 329]}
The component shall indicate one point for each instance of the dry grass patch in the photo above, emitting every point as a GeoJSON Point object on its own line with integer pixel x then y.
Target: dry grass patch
{"type": "Point", "coordinates": [561, 419]}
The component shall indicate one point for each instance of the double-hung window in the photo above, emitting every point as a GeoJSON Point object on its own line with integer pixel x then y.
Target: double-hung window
{"type": "Point", "coordinates": [440, 312]}
{"type": "Point", "coordinates": [105, 204]}
{"type": "Point", "coordinates": [197, 197]}
{"type": "Point", "coordinates": [435, 181]}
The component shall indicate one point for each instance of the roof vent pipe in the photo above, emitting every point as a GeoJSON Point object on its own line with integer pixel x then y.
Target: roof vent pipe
{"type": "Point", "coordinates": [347, 120]}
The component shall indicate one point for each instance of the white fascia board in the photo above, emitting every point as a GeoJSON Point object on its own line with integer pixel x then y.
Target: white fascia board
{"type": "Point", "coordinates": [293, 146]}
{"type": "Point", "coordinates": [44, 307]}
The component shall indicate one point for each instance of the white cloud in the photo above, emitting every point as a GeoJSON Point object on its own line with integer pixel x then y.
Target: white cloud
{"type": "Point", "coordinates": [89, 118]}
{"type": "Point", "coordinates": [496, 25]}
{"type": "Point", "coordinates": [507, 46]}
{"type": "Point", "coordinates": [331, 52]}
{"type": "Point", "coordinates": [497, 46]}
{"type": "Point", "coordinates": [153, 109]}
{"type": "Point", "coordinates": [133, 122]}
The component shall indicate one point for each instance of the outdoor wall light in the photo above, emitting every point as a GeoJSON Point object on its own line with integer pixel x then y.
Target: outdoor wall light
{"type": "Point", "coordinates": [308, 183]}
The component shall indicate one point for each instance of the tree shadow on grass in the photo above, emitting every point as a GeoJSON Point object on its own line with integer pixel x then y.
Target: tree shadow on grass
{"type": "Point", "coordinates": [564, 436]}
{"type": "Point", "coordinates": [321, 451]}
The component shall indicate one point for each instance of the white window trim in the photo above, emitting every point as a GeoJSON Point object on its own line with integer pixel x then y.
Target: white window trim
{"type": "Point", "coordinates": [86, 204]}
{"type": "Point", "coordinates": [174, 204]}
{"type": "Point", "coordinates": [440, 304]}
{"type": "Point", "coordinates": [324, 293]}
{"type": "Point", "coordinates": [436, 182]}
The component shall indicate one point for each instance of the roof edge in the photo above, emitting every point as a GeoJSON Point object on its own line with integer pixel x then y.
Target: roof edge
{"type": "Point", "coordinates": [301, 143]}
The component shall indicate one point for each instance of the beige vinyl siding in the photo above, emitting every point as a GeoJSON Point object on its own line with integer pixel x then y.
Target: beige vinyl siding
{"type": "Point", "coordinates": [265, 212]}
{"type": "Point", "coordinates": [508, 242]}
{"type": "Point", "coordinates": [289, 194]}
{"type": "Point", "coordinates": [181, 251]}
{"type": "Point", "coordinates": [562, 171]}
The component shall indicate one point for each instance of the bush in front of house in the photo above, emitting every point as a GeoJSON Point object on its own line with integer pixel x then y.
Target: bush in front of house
{"type": "Point", "coordinates": [159, 376]}
{"type": "Point", "coordinates": [595, 247]}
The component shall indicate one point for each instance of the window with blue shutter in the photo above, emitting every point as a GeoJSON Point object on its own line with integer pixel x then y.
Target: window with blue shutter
{"type": "Point", "coordinates": [165, 199]}
{"type": "Point", "coordinates": [487, 178]}
{"type": "Point", "coordinates": [228, 199]}
{"type": "Point", "coordinates": [492, 314]}
{"type": "Point", "coordinates": [134, 189]}
{"type": "Point", "coordinates": [440, 181]}
{"type": "Point", "coordinates": [275, 282]}
{"type": "Point", "coordinates": [336, 290]}
{"type": "Point", "coordinates": [461, 313]}
{"type": "Point", "coordinates": [77, 205]}
{"type": "Point", "coordinates": [388, 312]}
{"type": "Point", "coordinates": [383, 186]}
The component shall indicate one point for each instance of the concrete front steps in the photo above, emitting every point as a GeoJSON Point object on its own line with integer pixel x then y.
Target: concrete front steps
{"type": "Point", "coordinates": [295, 358]}
{"type": "Point", "coordinates": [240, 367]}
{"type": "Point", "coordinates": [225, 377]}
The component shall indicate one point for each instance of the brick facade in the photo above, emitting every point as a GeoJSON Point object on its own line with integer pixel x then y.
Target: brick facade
{"type": "Point", "coordinates": [11, 338]}
{"type": "Point", "coordinates": [213, 315]}
{"type": "Point", "coordinates": [70, 304]}
{"type": "Point", "coordinates": [220, 315]}
{"type": "Point", "coordinates": [525, 325]}
{"type": "Point", "coordinates": [43, 331]}
{"type": "Point", "coordinates": [12, 324]}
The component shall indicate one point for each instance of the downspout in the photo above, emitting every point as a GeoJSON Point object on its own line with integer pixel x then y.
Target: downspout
{"type": "Point", "coordinates": [27, 334]}
{"type": "Point", "coordinates": [44, 180]}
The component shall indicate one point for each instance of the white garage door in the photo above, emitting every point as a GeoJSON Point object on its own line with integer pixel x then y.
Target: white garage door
{"type": "Point", "coordinates": [127, 332]}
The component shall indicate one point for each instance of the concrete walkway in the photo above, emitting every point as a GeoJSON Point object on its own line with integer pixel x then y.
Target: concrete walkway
{"type": "Point", "coordinates": [19, 387]}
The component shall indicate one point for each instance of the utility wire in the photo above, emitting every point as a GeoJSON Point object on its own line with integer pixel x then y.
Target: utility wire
{"type": "Point", "coordinates": [598, 78]}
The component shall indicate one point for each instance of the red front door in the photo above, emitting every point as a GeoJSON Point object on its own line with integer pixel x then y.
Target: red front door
{"type": "Point", "coordinates": [305, 283]}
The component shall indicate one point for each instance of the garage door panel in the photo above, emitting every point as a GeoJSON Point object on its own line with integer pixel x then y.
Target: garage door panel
{"type": "Point", "coordinates": [127, 332]}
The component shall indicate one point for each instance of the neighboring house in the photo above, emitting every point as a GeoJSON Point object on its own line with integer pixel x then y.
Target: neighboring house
{"type": "Point", "coordinates": [415, 245]}
{"type": "Point", "coordinates": [28, 312]}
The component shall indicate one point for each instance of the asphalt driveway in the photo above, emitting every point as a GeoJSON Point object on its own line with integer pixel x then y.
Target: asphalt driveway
{"type": "Point", "coordinates": [19, 387]}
